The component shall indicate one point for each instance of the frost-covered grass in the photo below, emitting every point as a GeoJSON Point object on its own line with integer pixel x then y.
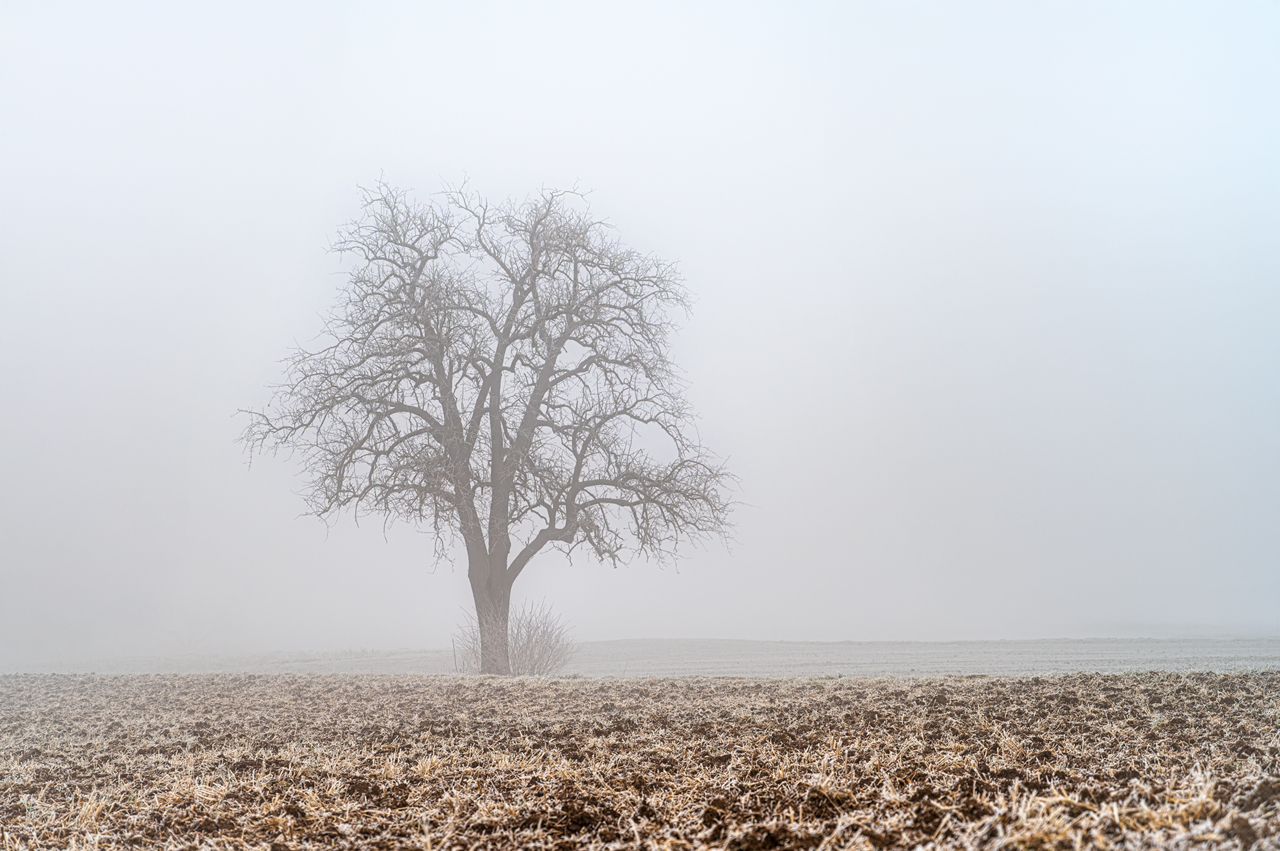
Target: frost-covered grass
{"type": "Point", "coordinates": [218, 761]}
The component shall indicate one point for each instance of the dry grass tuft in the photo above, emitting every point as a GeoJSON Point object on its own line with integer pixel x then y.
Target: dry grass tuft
{"type": "Point", "coordinates": [276, 762]}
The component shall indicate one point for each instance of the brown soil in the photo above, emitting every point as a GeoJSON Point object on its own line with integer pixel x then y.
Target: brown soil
{"type": "Point", "coordinates": [1150, 760]}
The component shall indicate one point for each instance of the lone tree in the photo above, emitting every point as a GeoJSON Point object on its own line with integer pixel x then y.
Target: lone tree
{"type": "Point", "coordinates": [500, 371]}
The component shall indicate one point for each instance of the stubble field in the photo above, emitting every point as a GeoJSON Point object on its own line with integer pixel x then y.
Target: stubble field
{"type": "Point", "coordinates": [342, 761]}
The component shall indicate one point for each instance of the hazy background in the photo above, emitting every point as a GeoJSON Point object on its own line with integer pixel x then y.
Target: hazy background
{"type": "Point", "coordinates": [988, 317]}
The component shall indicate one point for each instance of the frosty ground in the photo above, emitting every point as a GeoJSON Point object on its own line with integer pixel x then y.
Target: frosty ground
{"type": "Point", "coordinates": [394, 761]}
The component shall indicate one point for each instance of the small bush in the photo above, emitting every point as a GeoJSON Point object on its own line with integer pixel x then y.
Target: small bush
{"type": "Point", "coordinates": [538, 642]}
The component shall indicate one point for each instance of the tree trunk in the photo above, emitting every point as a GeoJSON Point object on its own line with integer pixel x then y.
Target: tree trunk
{"type": "Point", "coordinates": [492, 596]}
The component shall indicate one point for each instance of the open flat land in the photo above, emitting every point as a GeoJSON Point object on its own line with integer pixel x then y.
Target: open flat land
{"type": "Point", "coordinates": [726, 657]}
{"type": "Point", "coordinates": [1173, 760]}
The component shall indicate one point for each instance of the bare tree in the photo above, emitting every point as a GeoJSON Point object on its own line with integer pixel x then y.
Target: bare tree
{"type": "Point", "coordinates": [500, 371]}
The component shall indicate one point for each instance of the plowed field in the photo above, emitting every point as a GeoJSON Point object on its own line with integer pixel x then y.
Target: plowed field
{"type": "Point", "coordinates": [342, 761]}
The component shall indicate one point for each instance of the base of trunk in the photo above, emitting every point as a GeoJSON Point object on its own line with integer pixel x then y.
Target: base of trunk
{"type": "Point", "coordinates": [493, 611]}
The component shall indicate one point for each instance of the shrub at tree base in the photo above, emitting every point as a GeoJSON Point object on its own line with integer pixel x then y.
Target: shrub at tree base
{"type": "Point", "coordinates": [538, 639]}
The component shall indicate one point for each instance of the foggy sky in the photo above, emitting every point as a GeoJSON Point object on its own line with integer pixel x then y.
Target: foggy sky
{"type": "Point", "coordinates": [987, 320]}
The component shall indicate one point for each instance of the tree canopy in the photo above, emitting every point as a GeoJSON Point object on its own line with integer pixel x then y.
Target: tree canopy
{"type": "Point", "coordinates": [500, 372]}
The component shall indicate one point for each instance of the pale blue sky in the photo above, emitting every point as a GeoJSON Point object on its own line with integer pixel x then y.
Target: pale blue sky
{"type": "Point", "coordinates": [988, 314]}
